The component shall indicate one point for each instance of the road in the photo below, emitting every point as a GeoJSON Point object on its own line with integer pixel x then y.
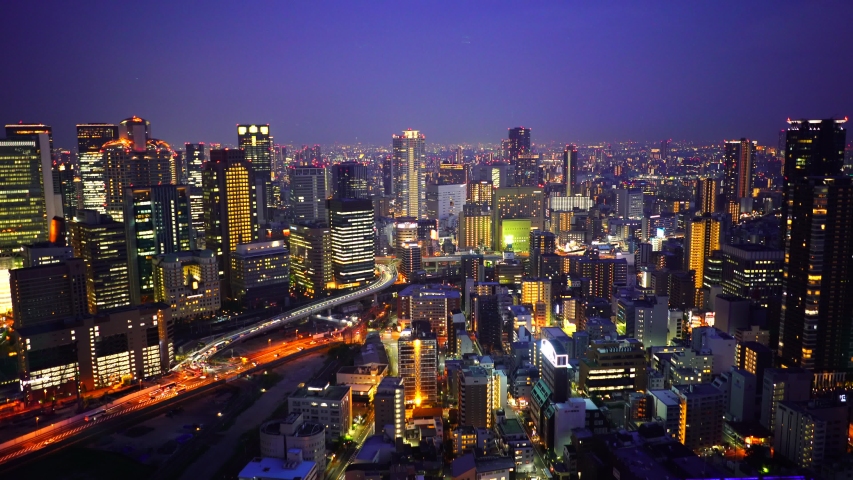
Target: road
{"type": "Point", "coordinates": [337, 467]}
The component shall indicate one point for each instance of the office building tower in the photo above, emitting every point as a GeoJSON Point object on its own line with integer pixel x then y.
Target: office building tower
{"type": "Point", "coordinates": [527, 171]}
{"type": "Point", "coordinates": [42, 135]}
{"type": "Point", "coordinates": [701, 237]}
{"type": "Point", "coordinates": [537, 292]}
{"type": "Point", "coordinates": [256, 142]}
{"type": "Point", "coordinates": [488, 322]}
{"type": "Point", "coordinates": [91, 137]}
{"type": "Point", "coordinates": [708, 193]}
{"type": "Point", "coordinates": [783, 385]}
{"type": "Point", "coordinates": [350, 180]}
{"type": "Point", "coordinates": [101, 243]}
{"type": "Point", "coordinates": [432, 304]}
{"type": "Point", "coordinates": [188, 282]}
{"type": "Point", "coordinates": [410, 257]}
{"type": "Point", "coordinates": [480, 192]}
{"type": "Point", "coordinates": [613, 367]}
{"type": "Point", "coordinates": [570, 170]}
{"type": "Point", "coordinates": [230, 206]}
{"type": "Point", "coordinates": [752, 272]}
{"type": "Point", "coordinates": [352, 242]}
{"type": "Point", "coordinates": [703, 407]}
{"type": "Point", "coordinates": [739, 163]}
{"type": "Point", "coordinates": [308, 193]}
{"type": "Point", "coordinates": [541, 243]}
{"type": "Point", "coordinates": [453, 174]}
{"type": "Point", "coordinates": [817, 294]}
{"type": "Point", "coordinates": [476, 397]}
{"type": "Point", "coordinates": [388, 176]}
{"type": "Point", "coordinates": [629, 203]}
{"type": "Point", "coordinates": [260, 273]}
{"type": "Point", "coordinates": [46, 254]}
{"type": "Point", "coordinates": [389, 407]}
{"type": "Point", "coordinates": [473, 267]}
{"type": "Point", "coordinates": [409, 184]}
{"type": "Point", "coordinates": [49, 292]}
{"type": "Point", "coordinates": [134, 159]}
{"type": "Point", "coordinates": [405, 231]}
{"type": "Point", "coordinates": [417, 349]}
{"type": "Point", "coordinates": [475, 227]}
{"type": "Point", "coordinates": [156, 221]}
{"type": "Point", "coordinates": [311, 259]}
{"type": "Point", "coordinates": [26, 195]}
{"type": "Point", "coordinates": [444, 201]}
{"type": "Point", "coordinates": [512, 203]}
{"type": "Point", "coordinates": [519, 143]}
{"type": "Point", "coordinates": [810, 434]}
{"type": "Point", "coordinates": [196, 156]}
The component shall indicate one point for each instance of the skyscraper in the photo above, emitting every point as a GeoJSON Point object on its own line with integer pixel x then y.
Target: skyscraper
{"type": "Point", "coordinates": [257, 145]}
{"type": "Point", "coordinates": [23, 217]}
{"type": "Point", "coordinates": [134, 159]}
{"type": "Point", "coordinates": [417, 350]}
{"type": "Point", "coordinates": [157, 221]}
{"type": "Point", "coordinates": [196, 155]}
{"type": "Point", "coordinates": [309, 192]}
{"type": "Point", "coordinates": [42, 135]}
{"type": "Point", "coordinates": [519, 143]}
{"type": "Point", "coordinates": [408, 164]}
{"type": "Point", "coordinates": [708, 190]}
{"type": "Point", "coordinates": [90, 138]}
{"type": "Point", "coordinates": [45, 293]}
{"type": "Point", "coordinates": [230, 205]}
{"type": "Point", "coordinates": [541, 242]}
{"type": "Point", "coordinates": [739, 165]}
{"type": "Point", "coordinates": [311, 259]}
{"type": "Point", "coordinates": [570, 170]}
{"type": "Point", "coordinates": [101, 243]}
{"type": "Point", "coordinates": [452, 174]}
{"type": "Point", "coordinates": [701, 237]}
{"type": "Point", "coordinates": [350, 180]}
{"type": "Point", "coordinates": [527, 170]}
{"type": "Point", "coordinates": [351, 225]}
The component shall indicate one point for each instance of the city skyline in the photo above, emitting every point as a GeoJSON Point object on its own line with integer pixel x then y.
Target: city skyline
{"type": "Point", "coordinates": [617, 72]}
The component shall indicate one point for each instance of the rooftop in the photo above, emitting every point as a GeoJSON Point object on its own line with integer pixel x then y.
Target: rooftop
{"type": "Point", "coordinates": [338, 392]}
{"type": "Point", "coordinates": [276, 468]}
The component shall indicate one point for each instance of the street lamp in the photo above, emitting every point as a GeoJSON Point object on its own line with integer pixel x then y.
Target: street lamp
{"type": "Point", "coordinates": [37, 422]}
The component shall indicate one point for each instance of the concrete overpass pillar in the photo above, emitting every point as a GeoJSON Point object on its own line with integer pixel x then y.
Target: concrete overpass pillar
{"type": "Point", "coordinates": [375, 299]}
{"type": "Point", "coordinates": [328, 312]}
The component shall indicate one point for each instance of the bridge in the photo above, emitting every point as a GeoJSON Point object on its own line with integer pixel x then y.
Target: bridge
{"type": "Point", "coordinates": [490, 257]}
{"type": "Point", "coordinates": [387, 277]}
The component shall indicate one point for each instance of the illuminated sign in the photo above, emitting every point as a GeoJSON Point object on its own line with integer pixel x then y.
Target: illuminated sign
{"type": "Point", "coordinates": [549, 353]}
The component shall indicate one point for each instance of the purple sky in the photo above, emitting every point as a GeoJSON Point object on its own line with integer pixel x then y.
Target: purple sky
{"type": "Point", "coordinates": [323, 72]}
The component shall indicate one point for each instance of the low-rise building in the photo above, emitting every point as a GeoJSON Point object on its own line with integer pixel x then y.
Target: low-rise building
{"type": "Point", "coordinates": [292, 468]}
{"type": "Point", "coordinates": [280, 436]}
{"type": "Point", "coordinates": [260, 273]}
{"type": "Point", "coordinates": [330, 406]}
{"type": "Point", "coordinates": [188, 282]}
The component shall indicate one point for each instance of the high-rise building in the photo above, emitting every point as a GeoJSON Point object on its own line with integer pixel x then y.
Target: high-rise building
{"type": "Point", "coordinates": [230, 206]}
{"type": "Point", "coordinates": [817, 294]}
{"type": "Point", "coordinates": [489, 322]}
{"type": "Point", "coordinates": [311, 259]}
{"type": "Point", "coordinates": [629, 203]}
{"type": "Point", "coordinates": [350, 180]}
{"type": "Point", "coordinates": [101, 243]}
{"type": "Point", "coordinates": [256, 142]}
{"type": "Point", "coordinates": [527, 170]}
{"type": "Point", "coordinates": [541, 243]}
{"type": "Point", "coordinates": [752, 272]}
{"type": "Point", "coordinates": [519, 143]}
{"type": "Point", "coordinates": [389, 406]}
{"type": "Point", "coordinates": [91, 137]}
{"type": "Point", "coordinates": [411, 258]}
{"type": "Point", "coordinates": [309, 192]}
{"type": "Point", "coordinates": [23, 216]}
{"type": "Point", "coordinates": [352, 242]}
{"type": "Point", "coordinates": [701, 237]}
{"type": "Point", "coordinates": [473, 267]}
{"type": "Point", "coordinates": [537, 292]}
{"type": "Point", "coordinates": [702, 409]}
{"type": "Point", "coordinates": [429, 303]}
{"type": "Point", "coordinates": [513, 203]}
{"type": "Point", "coordinates": [418, 364]}
{"type": "Point", "coordinates": [612, 368]}
{"type": "Point", "coordinates": [480, 193]}
{"type": "Point", "coordinates": [570, 170]}
{"type": "Point", "coordinates": [409, 183]}
{"type": "Point", "coordinates": [476, 397]}
{"type": "Point", "coordinates": [783, 385]}
{"type": "Point", "coordinates": [47, 293]}
{"type": "Point", "coordinates": [442, 201]}
{"type": "Point", "coordinates": [260, 273]}
{"type": "Point", "coordinates": [188, 282]}
{"type": "Point", "coordinates": [157, 221]}
{"type": "Point", "coordinates": [66, 183]}
{"type": "Point", "coordinates": [739, 162]}
{"type": "Point", "coordinates": [134, 159]}
{"type": "Point", "coordinates": [709, 192]}
{"type": "Point", "coordinates": [453, 173]}
{"type": "Point", "coordinates": [196, 156]}
{"type": "Point", "coordinates": [475, 227]}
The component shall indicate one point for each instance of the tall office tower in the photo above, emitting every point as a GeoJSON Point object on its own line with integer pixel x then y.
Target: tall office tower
{"type": "Point", "coordinates": [541, 242]}
{"type": "Point", "coordinates": [537, 292]}
{"type": "Point", "coordinates": [817, 294]}
{"type": "Point", "coordinates": [134, 159]}
{"type": "Point", "coordinates": [480, 192]}
{"type": "Point", "coordinates": [350, 180]}
{"type": "Point", "coordinates": [509, 203]}
{"type": "Point", "coordinates": [255, 140]}
{"type": "Point", "coordinates": [570, 170]}
{"type": "Point", "coordinates": [23, 218]}
{"type": "Point", "coordinates": [664, 149]}
{"type": "Point", "coordinates": [91, 137]}
{"type": "Point", "coordinates": [701, 237]}
{"type": "Point", "coordinates": [442, 201]}
{"type": "Point", "coordinates": [230, 206]}
{"type": "Point", "coordinates": [405, 231]}
{"type": "Point", "coordinates": [351, 226]}
{"type": "Point", "coordinates": [410, 259]}
{"type": "Point", "coordinates": [42, 135]}
{"type": "Point", "coordinates": [156, 221]}
{"type": "Point", "coordinates": [417, 350]}
{"type": "Point", "coordinates": [388, 177]}
{"type": "Point", "coordinates": [452, 174]}
{"type": "Point", "coordinates": [489, 322]}
{"type": "Point", "coordinates": [708, 193]}
{"type": "Point", "coordinates": [49, 292]}
{"type": "Point", "coordinates": [309, 192]}
{"type": "Point", "coordinates": [519, 143]}
{"type": "Point", "coordinates": [101, 243]}
{"type": "Point", "coordinates": [260, 273]}
{"type": "Point", "coordinates": [739, 164]}
{"type": "Point", "coordinates": [65, 182]}
{"type": "Point", "coordinates": [475, 397]}
{"type": "Point", "coordinates": [311, 259]}
{"type": "Point", "coordinates": [409, 159]}
{"type": "Point", "coordinates": [188, 282]}
{"type": "Point", "coordinates": [630, 203]}
{"type": "Point", "coordinates": [475, 227]}
{"type": "Point", "coordinates": [196, 156]}
{"type": "Point", "coordinates": [31, 130]}
{"type": "Point", "coordinates": [752, 272]}
{"type": "Point", "coordinates": [389, 407]}
{"type": "Point", "coordinates": [527, 170]}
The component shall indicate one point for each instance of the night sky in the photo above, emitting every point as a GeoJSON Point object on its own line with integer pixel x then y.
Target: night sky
{"type": "Point", "coordinates": [323, 72]}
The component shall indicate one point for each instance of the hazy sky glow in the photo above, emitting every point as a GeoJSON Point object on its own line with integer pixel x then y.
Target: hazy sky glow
{"type": "Point", "coordinates": [323, 72]}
